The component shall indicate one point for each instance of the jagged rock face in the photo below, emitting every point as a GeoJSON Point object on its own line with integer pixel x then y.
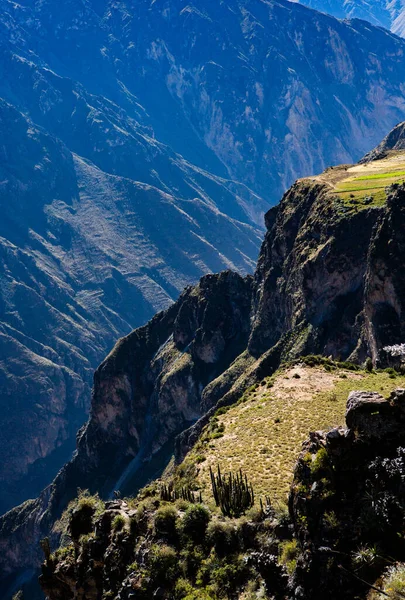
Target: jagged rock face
{"type": "Point", "coordinates": [348, 493]}
{"type": "Point", "coordinates": [384, 283]}
{"type": "Point", "coordinates": [161, 109]}
{"type": "Point", "coordinates": [395, 140]}
{"type": "Point", "coordinates": [336, 280]}
{"type": "Point", "coordinates": [310, 273]}
{"type": "Point", "coordinates": [314, 291]}
{"type": "Point", "coordinates": [151, 385]}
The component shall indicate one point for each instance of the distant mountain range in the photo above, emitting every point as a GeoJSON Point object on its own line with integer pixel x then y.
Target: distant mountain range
{"type": "Point", "coordinates": [141, 143]}
{"type": "Point", "coordinates": [388, 13]}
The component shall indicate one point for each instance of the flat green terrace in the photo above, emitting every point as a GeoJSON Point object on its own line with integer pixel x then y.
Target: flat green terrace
{"type": "Point", "coordinates": [364, 185]}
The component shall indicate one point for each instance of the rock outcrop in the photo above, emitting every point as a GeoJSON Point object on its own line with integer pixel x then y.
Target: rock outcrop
{"type": "Point", "coordinates": [348, 502]}
{"type": "Point", "coordinates": [395, 140]}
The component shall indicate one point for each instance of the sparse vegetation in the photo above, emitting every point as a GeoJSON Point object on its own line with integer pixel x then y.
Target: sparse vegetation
{"type": "Point", "coordinates": [166, 518]}
{"type": "Point", "coordinates": [279, 420]}
{"type": "Point", "coordinates": [393, 584]}
{"type": "Point", "coordinates": [118, 523]}
{"type": "Point", "coordinates": [289, 554]}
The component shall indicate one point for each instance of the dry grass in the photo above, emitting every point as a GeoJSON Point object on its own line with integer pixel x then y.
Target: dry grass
{"type": "Point", "coordinates": [264, 433]}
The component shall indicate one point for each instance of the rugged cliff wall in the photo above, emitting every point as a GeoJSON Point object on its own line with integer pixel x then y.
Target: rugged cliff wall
{"type": "Point", "coordinates": [348, 498]}
{"type": "Point", "coordinates": [329, 280]}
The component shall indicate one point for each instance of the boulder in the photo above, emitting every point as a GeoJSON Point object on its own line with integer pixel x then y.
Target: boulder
{"type": "Point", "coordinates": [370, 415]}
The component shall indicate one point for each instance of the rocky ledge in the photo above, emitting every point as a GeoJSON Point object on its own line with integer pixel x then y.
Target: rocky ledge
{"type": "Point", "coordinates": [347, 501]}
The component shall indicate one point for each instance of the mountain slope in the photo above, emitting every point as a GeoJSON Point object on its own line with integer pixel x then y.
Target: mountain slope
{"type": "Point", "coordinates": [161, 117]}
{"type": "Point", "coordinates": [84, 256]}
{"type": "Point", "coordinates": [390, 15]}
{"type": "Point", "coordinates": [176, 540]}
{"type": "Point", "coordinates": [329, 280]}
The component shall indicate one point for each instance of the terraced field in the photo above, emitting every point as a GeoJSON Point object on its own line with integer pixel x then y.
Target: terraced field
{"type": "Point", "coordinates": [363, 185]}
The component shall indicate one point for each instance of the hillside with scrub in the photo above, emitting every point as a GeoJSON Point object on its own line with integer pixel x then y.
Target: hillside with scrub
{"type": "Point", "coordinates": [217, 526]}
{"type": "Point", "coordinates": [263, 432]}
{"type": "Point", "coordinates": [247, 442]}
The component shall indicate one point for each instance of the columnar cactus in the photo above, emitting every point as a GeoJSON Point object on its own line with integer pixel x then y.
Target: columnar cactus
{"type": "Point", "coordinates": [232, 493]}
{"type": "Point", "coordinates": [170, 494]}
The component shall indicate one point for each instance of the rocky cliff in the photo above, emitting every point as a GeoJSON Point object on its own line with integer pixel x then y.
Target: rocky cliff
{"type": "Point", "coordinates": [328, 281]}
{"type": "Point", "coordinates": [151, 137]}
{"type": "Point", "coordinates": [347, 500]}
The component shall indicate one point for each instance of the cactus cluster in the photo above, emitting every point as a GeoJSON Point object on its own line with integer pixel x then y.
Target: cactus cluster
{"type": "Point", "coordinates": [169, 493]}
{"type": "Point", "coordinates": [232, 493]}
{"type": "Point", "coordinates": [266, 506]}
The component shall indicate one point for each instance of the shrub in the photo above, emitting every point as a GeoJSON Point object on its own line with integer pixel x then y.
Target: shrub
{"type": "Point", "coordinates": [81, 519]}
{"type": "Point", "coordinates": [182, 504]}
{"type": "Point", "coordinates": [222, 536]}
{"type": "Point", "coordinates": [134, 526]}
{"type": "Point", "coordinates": [192, 557]}
{"type": "Point", "coordinates": [165, 522]}
{"type": "Point", "coordinates": [164, 565]}
{"type": "Point", "coordinates": [289, 554]}
{"type": "Point", "coordinates": [229, 576]}
{"type": "Point", "coordinates": [118, 523]}
{"type": "Point", "coordinates": [185, 591]}
{"type": "Point", "coordinates": [195, 521]}
{"type": "Point", "coordinates": [224, 575]}
{"type": "Point", "coordinates": [394, 582]}
{"type": "Point", "coordinates": [320, 464]}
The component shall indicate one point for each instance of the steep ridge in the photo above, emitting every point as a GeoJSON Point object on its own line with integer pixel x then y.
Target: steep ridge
{"type": "Point", "coordinates": [162, 110]}
{"type": "Point", "coordinates": [85, 256]}
{"type": "Point", "coordinates": [395, 140]}
{"type": "Point", "coordinates": [328, 281]}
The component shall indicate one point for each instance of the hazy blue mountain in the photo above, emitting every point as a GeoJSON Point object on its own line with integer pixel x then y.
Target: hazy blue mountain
{"type": "Point", "coordinates": [140, 144]}
{"type": "Point", "coordinates": [387, 13]}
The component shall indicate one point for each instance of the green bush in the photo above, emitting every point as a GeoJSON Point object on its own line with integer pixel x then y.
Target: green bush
{"type": "Point", "coordinates": [165, 522]}
{"type": "Point", "coordinates": [229, 576]}
{"type": "Point", "coordinates": [289, 554]}
{"type": "Point", "coordinates": [222, 536]}
{"type": "Point", "coordinates": [195, 522]}
{"type": "Point", "coordinates": [369, 365]}
{"type": "Point", "coordinates": [185, 591]}
{"type": "Point", "coordinates": [118, 523]}
{"type": "Point", "coordinates": [320, 464]}
{"type": "Point", "coordinates": [81, 519]}
{"type": "Point", "coordinates": [223, 575]}
{"type": "Point", "coordinates": [164, 565]}
{"type": "Point", "coordinates": [192, 557]}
